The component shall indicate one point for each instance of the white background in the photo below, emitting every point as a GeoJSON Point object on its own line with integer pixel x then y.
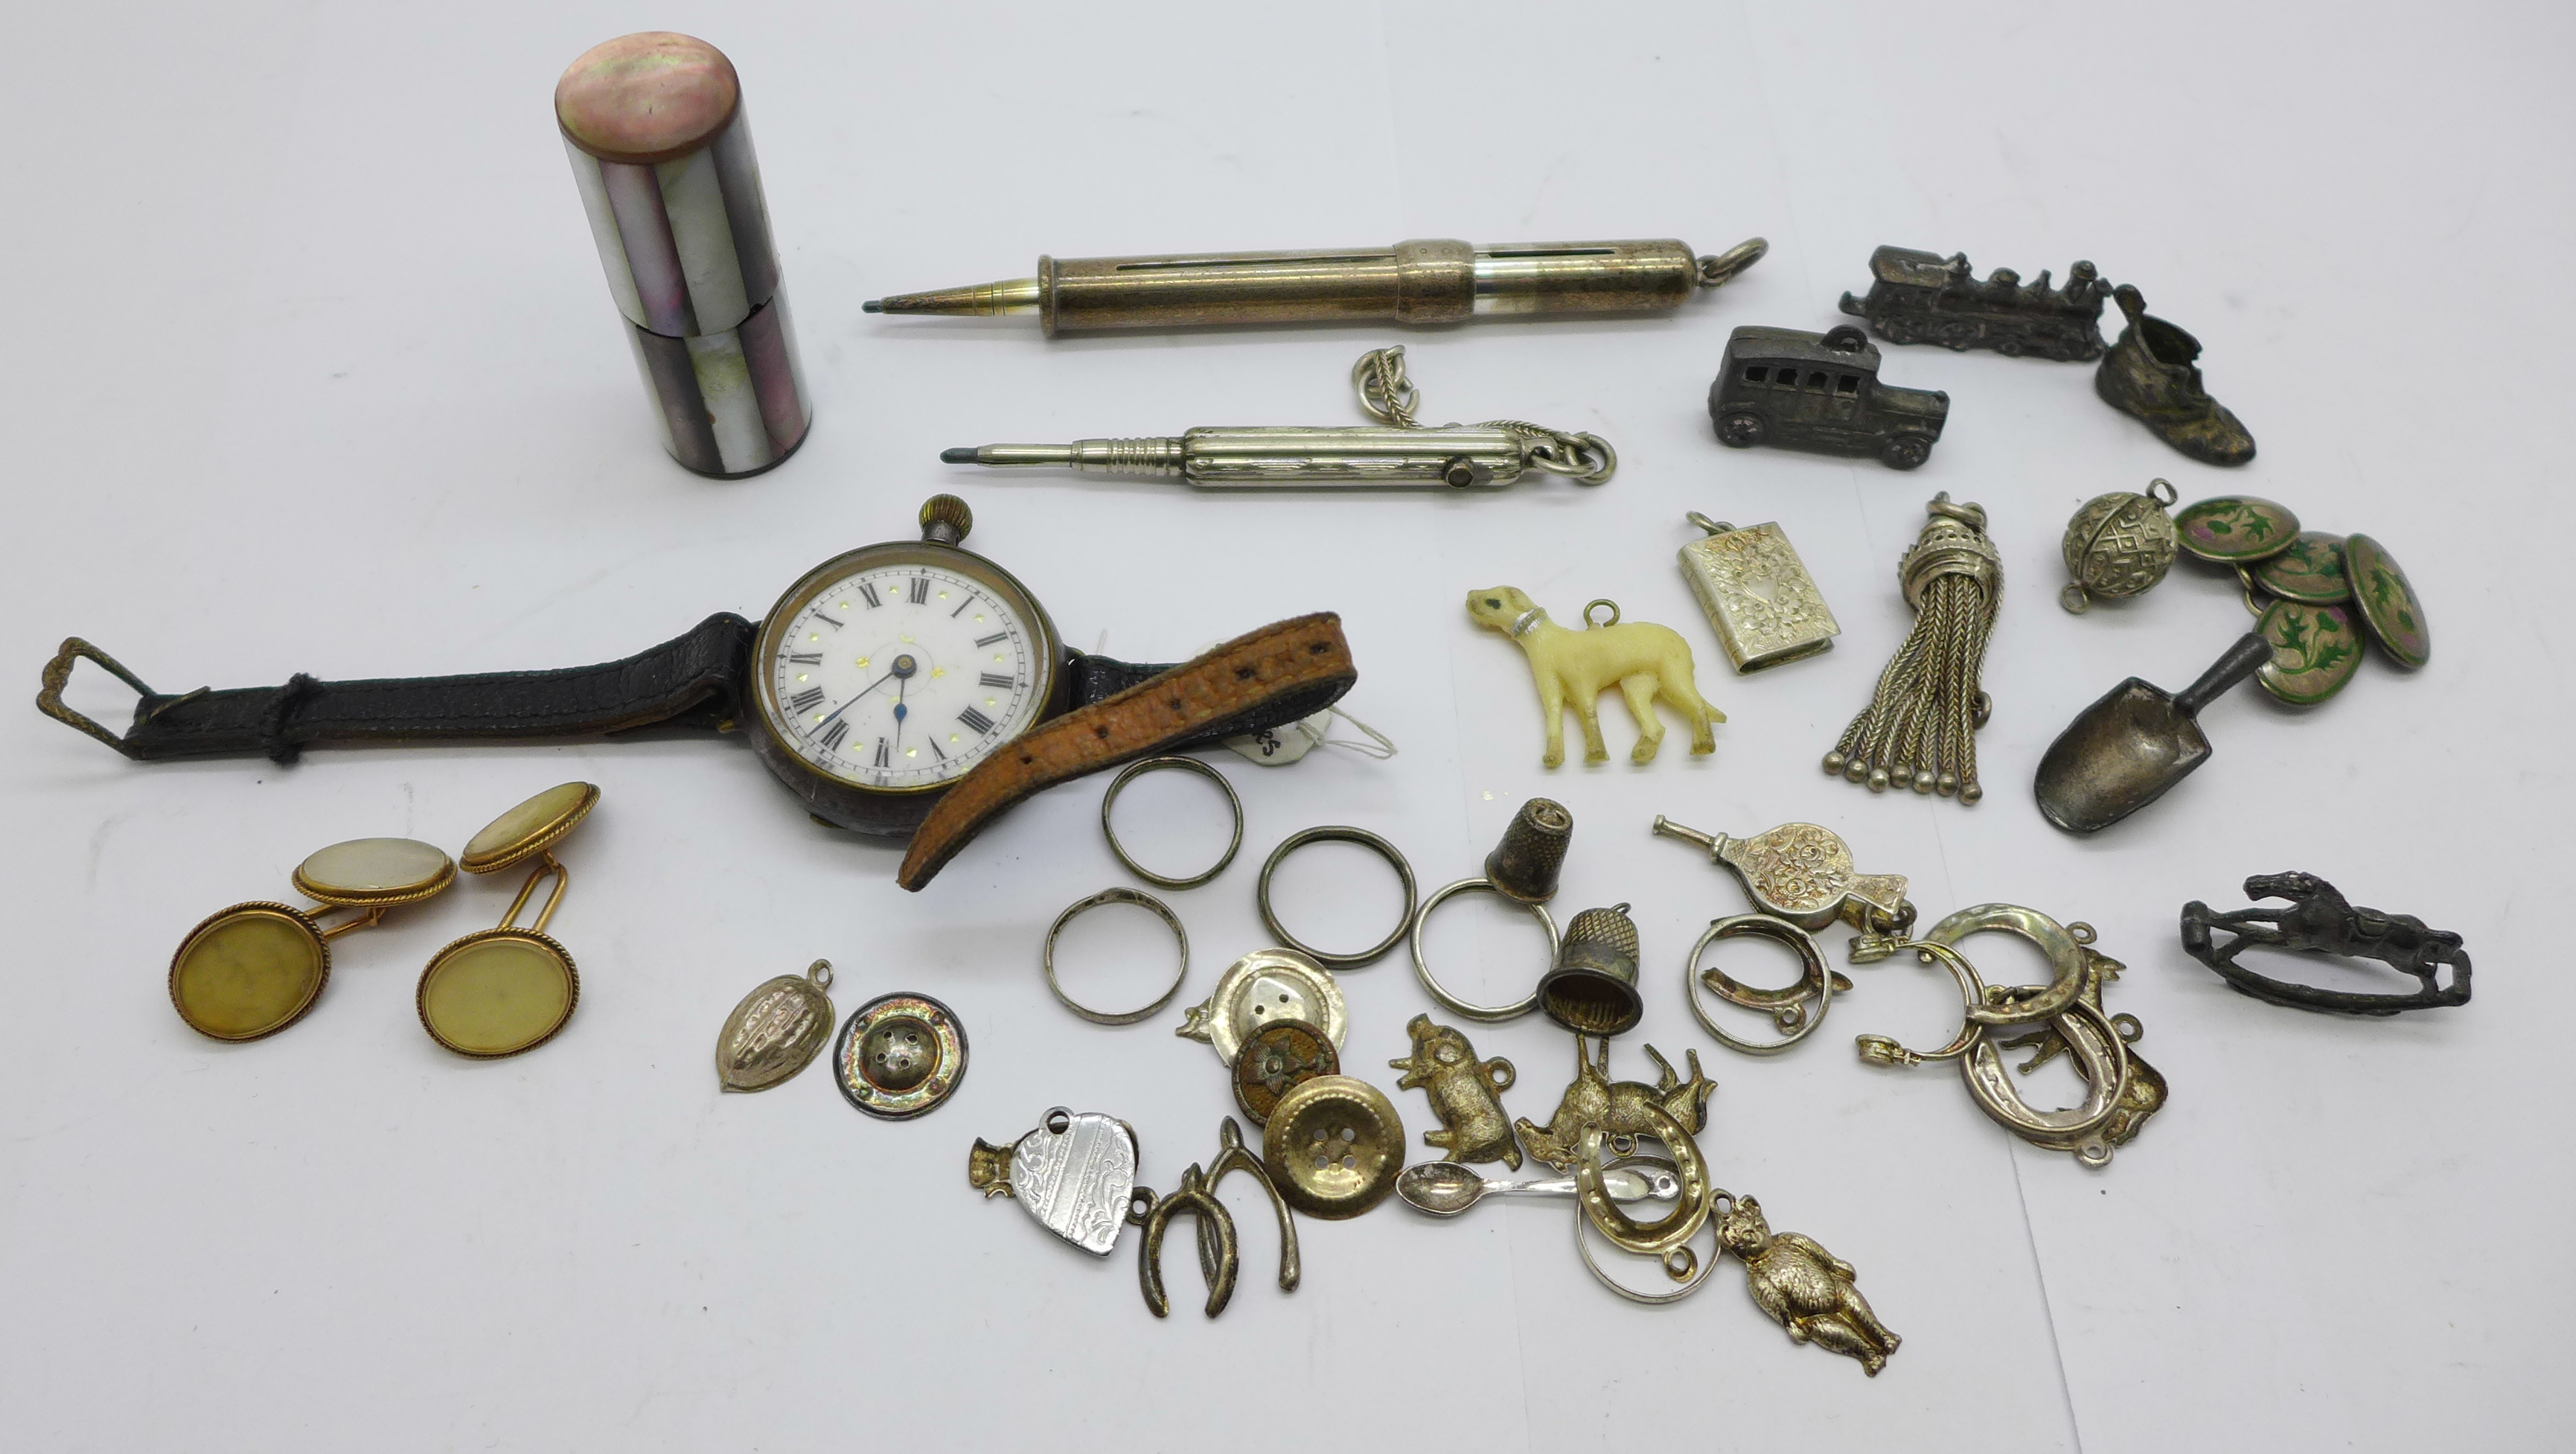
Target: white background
{"type": "Point", "coordinates": [313, 369]}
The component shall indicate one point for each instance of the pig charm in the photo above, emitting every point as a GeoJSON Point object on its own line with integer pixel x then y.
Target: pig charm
{"type": "Point", "coordinates": [1465, 1094]}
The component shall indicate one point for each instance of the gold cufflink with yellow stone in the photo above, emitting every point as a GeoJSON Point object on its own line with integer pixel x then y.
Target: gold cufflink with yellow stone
{"type": "Point", "coordinates": [502, 991]}
{"type": "Point", "coordinates": [251, 970]}
{"type": "Point", "coordinates": [255, 968]}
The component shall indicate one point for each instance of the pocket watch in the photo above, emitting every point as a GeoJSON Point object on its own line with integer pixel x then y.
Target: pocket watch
{"type": "Point", "coordinates": [888, 672]}
{"type": "Point", "coordinates": [883, 678]}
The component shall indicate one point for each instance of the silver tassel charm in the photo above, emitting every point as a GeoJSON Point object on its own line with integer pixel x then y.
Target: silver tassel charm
{"type": "Point", "coordinates": [1920, 730]}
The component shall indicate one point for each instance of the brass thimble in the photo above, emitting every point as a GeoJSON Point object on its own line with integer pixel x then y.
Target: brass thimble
{"type": "Point", "coordinates": [1524, 865]}
{"type": "Point", "coordinates": [1593, 988]}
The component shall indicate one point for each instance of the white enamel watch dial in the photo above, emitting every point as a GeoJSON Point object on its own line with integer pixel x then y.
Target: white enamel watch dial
{"type": "Point", "coordinates": [902, 675]}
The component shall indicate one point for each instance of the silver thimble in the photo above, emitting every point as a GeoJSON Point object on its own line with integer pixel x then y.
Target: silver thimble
{"type": "Point", "coordinates": [1593, 988]}
{"type": "Point", "coordinates": [1524, 865]}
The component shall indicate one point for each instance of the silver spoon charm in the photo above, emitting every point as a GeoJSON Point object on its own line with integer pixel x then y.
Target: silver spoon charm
{"type": "Point", "coordinates": [1447, 1188]}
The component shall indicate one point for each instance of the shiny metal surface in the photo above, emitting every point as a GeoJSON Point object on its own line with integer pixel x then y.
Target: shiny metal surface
{"type": "Point", "coordinates": [1450, 1188]}
{"type": "Point", "coordinates": [1787, 1007]}
{"type": "Point", "coordinates": [1435, 280]}
{"type": "Point", "coordinates": [1075, 1175]}
{"type": "Point", "coordinates": [1338, 833]}
{"type": "Point", "coordinates": [1466, 1093]}
{"type": "Point", "coordinates": [776, 1031]}
{"type": "Point", "coordinates": [2134, 743]}
{"type": "Point", "coordinates": [1396, 452]}
{"type": "Point", "coordinates": [1483, 1014]}
{"type": "Point", "coordinates": [1263, 986]}
{"type": "Point", "coordinates": [1171, 763]}
{"type": "Point", "coordinates": [1807, 1290]}
{"type": "Point", "coordinates": [1334, 1147]}
{"type": "Point", "coordinates": [1757, 594]}
{"type": "Point", "coordinates": [1623, 1109]}
{"type": "Point", "coordinates": [1140, 899]}
{"type": "Point", "coordinates": [1804, 874]}
{"type": "Point", "coordinates": [900, 1056]}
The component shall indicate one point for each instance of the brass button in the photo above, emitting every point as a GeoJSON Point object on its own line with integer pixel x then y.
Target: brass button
{"type": "Point", "coordinates": [1281, 1056]}
{"type": "Point", "coordinates": [900, 1055]}
{"type": "Point", "coordinates": [1334, 1145]}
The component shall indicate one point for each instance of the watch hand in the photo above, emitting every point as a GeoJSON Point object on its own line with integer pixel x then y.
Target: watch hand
{"type": "Point", "coordinates": [847, 705]}
{"type": "Point", "coordinates": [900, 711]}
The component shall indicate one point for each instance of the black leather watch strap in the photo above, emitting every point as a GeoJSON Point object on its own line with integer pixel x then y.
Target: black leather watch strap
{"type": "Point", "coordinates": [1098, 678]}
{"type": "Point", "coordinates": [689, 683]}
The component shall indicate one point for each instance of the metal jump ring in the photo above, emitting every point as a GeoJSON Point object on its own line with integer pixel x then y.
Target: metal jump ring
{"type": "Point", "coordinates": [1337, 833]}
{"type": "Point", "coordinates": [1765, 926]}
{"type": "Point", "coordinates": [1491, 1015]}
{"type": "Point", "coordinates": [1154, 764]}
{"type": "Point", "coordinates": [1142, 900]}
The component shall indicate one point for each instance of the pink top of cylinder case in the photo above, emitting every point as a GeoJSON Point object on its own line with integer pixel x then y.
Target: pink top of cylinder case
{"type": "Point", "coordinates": [646, 97]}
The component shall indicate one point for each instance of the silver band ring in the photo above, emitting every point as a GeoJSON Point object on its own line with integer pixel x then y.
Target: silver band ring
{"type": "Point", "coordinates": [1156, 764]}
{"type": "Point", "coordinates": [1142, 900]}
{"type": "Point", "coordinates": [1491, 1015]}
{"type": "Point", "coordinates": [1816, 978]}
{"type": "Point", "coordinates": [1337, 833]}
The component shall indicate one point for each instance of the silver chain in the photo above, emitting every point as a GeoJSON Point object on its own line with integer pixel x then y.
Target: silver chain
{"type": "Point", "coordinates": [1387, 395]}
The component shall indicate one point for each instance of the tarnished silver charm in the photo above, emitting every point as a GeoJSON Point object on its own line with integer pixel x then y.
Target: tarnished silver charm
{"type": "Point", "coordinates": [1076, 1174]}
{"type": "Point", "coordinates": [1261, 987]}
{"type": "Point", "coordinates": [1804, 874]}
{"type": "Point", "coordinates": [777, 1030]}
{"type": "Point", "coordinates": [1757, 593]}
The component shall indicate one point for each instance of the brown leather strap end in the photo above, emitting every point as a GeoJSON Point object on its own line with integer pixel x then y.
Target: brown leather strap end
{"type": "Point", "coordinates": [1272, 676]}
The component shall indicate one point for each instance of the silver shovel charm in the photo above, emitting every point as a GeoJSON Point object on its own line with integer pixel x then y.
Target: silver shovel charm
{"type": "Point", "coordinates": [2125, 750]}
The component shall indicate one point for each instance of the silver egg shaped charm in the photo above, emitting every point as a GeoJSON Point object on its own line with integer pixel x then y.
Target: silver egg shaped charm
{"type": "Point", "coordinates": [776, 1031]}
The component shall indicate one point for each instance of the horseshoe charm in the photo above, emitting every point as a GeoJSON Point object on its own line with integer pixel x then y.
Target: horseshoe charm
{"type": "Point", "coordinates": [1220, 1254]}
{"type": "Point", "coordinates": [2101, 1057]}
{"type": "Point", "coordinates": [1667, 1237]}
{"type": "Point", "coordinates": [2066, 955]}
{"type": "Point", "coordinates": [1217, 1262]}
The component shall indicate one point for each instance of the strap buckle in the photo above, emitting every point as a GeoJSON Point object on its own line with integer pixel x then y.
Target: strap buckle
{"type": "Point", "coordinates": [58, 674]}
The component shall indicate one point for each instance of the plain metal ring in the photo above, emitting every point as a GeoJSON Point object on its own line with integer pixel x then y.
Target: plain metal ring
{"type": "Point", "coordinates": [1142, 900]}
{"type": "Point", "coordinates": [1154, 764]}
{"type": "Point", "coordinates": [1765, 926]}
{"type": "Point", "coordinates": [1337, 833]}
{"type": "Point", "coordinates": [1422, 966]}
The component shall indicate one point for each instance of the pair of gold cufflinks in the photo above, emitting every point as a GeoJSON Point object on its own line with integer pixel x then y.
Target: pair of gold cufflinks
{"type": "Point", "coordinates": [256, 968]}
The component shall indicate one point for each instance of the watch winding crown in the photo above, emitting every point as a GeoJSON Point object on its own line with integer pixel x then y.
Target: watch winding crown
{"type": "Point", "coordinates": [945, 519]}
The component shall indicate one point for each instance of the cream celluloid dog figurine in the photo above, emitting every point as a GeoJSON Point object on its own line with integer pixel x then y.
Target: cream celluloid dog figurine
{"type": "Point", "coordinates": [1573, 668]}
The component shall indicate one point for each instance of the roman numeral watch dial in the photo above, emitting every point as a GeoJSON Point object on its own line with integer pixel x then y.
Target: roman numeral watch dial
{"type": "Point", "coordinates": [885, 674]}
